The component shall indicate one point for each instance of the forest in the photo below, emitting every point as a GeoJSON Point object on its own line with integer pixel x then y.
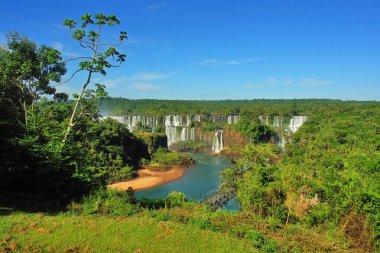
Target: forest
{"type": "Point", "coordinates": [58, 155]}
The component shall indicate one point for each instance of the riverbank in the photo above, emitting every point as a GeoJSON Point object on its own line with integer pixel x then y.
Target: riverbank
{"type": "Point", "coordinates": [148, 178]}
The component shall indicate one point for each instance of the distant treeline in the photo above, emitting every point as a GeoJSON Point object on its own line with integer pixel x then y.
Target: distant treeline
{"type": "Point", "coordinates": [286, 107]}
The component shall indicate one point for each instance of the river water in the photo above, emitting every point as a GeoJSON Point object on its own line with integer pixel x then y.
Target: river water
{"type": "Point", "coordinates": [197, 178]}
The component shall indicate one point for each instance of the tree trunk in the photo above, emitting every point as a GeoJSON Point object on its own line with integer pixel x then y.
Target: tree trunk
{"type": "Point", "coordinates": [72, 118]}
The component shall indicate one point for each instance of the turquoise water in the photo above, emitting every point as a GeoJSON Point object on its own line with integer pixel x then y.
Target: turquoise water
{"type": "Point", "coordinates": [196, 179]}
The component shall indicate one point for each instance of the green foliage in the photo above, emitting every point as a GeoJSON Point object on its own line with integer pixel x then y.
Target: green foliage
{"type": "Point", "coordinates": [249, 109]}
{"type": "Point", "coordinates": [103, 55]}
{"type": "Point", "coordinates": [61, 233]}
{"type": "Point", "coordinates": [189, 146]}
{"type": "Point", "coordinates": [260, 241]}
{"type": "Point", "coordinates": [153, 141]}
{"type": "Point", "coordinates": [211, 126]}
{"type": "Point", "coordinates": [175, 199]}
{"type": "Point", "coordinates": [162, 157]}
{"type": "Point", "coordinates": [29, 69]}
{"type": "Point", "coordinates": [257, 132]}
{"type": "Point", "coordinates": [110, 202]}
{"type": "Point", "coordinates": [202, 223]}
{"type": "Point", "coordinates": [152, 204]}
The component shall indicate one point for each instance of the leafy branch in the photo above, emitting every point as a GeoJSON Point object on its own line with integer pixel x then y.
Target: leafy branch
{"type": "Point", "coordinates": [103, 56]}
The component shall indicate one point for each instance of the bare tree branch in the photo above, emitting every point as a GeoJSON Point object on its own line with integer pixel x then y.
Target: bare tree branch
{"type": "Point", "coordinates": [76, 58]}
{"type": "Point", "coordinates": [111, 44]}
{"type": "Point", "coordinates": [90, 47]}
{"type": "Point", "coordinates": [71, 77]}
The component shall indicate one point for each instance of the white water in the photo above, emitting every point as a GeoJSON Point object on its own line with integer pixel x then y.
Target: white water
{"type": "Point", "coordinates": [296, 122]}
{"type": "Point", "coordinates": [217, 142]}
{"type": "Point", "coordinates": [277, 121]}
{"type": "Point", "coordinates": [177, 134]}
{"type": "Point", "coordinates": [233, 119]}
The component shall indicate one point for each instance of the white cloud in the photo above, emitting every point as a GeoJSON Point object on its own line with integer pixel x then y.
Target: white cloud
{"type": "Point", "coordinates": [64, 51]}
{"type": "Point", "coordinates": [226, 62]}
{"type": "Point", "coordinates": [155, 7]}
{"type": "Point", "coordinates": [109, 83]}
{"type": "Point", "coordinates": [301, 82]}
{"type": "Point", "coordinates": [141, 81]}
{"type": "Point", "coordinates": [149, 76]}
{"type": "Point", "coordinates": [144, 86]}
{"type": "Point", "coordinates": [66, 89]}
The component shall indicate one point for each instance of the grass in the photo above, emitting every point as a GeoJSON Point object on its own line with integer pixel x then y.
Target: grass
{"type": "Point", "coordinates": [25, 232]}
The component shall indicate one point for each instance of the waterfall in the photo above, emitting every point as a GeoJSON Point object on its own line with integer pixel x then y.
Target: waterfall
{"type": "Point", "coordinates": [188, 120]}
{"type": "Point", "coordinates": [172, 135]}
{"type": "Point", "coordinates": [120, 119]}
{"type": "Point", "coordinates": [296, 122]}
{"type": "Point", "coordinates": [184, 133]}
{"type": "Point", "coordinates": [177, 134]}
{"type": "Point", "coordinates": [264, 121]}
{"type": "Point", "coordinates": [277, 121]}
{"type": "Point", "coordinates": [197, 117]}
{"type": "Point", "coordinates": [279, 140]}
{"type": "Point", "coordinates": [217, 142]}
{"type": "Point", "coordinates": [233, 119]}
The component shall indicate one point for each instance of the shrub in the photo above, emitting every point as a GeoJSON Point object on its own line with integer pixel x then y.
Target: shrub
{"type": "Point", "coordinates": [124, 173]}
{"type": "Point", "coordinates": [151, 203]}
{"type": "Point", "coordinates": [203, 223]}
{"type": "Point", "coordinates": [175, 199]}
{"type": "Point", "coordinates": [260, 241]}
{"type": "Point", "coordinates": [110, 202]}
{"type": "Point", "coordinates": [167, 158]}
{"type": "Point", "coordinates": [318, 214]}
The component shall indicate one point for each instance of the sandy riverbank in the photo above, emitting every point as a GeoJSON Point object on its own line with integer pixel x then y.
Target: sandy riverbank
{"type": "Point", "coordinates": [149, 178]}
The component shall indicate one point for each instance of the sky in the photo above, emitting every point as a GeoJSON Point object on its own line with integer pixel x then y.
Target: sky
{"type": "Point", "coordinates": [212, 50]}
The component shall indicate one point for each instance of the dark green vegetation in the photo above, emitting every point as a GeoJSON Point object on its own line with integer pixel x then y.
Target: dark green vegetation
{"type": "Point", "coordinates": [321, 194]}
{"type": "Point", "coordinates": [190, 146]}
{"type": "Point", "coordinates": [328, 177]}
{"type": "Point", "coordinates": [255, 107]}
{"type": "Point", "coordinates": [40, 161]}
{"type": "Point", "coordinates": [162, 157]}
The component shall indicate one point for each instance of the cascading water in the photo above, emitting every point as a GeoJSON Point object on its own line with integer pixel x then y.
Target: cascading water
{"type": "Point", "coordinates": [296, 122]}
{"type": "Point", "coordinates": [233, 119]}
{"type": "Point", "coordinates": [177, 129]}
{"type": "Point", "coordinates": [277, 121]}
{"type": "Point", "coordinates": [217, 142]}
{"type": "Point", "coordinates": [177, 134]}
{"type": "Point", "coordinates": [279, 140]}
{"type": "Point", "coordinates": [264, 119]}
{"type": "Point", "coordinates": [197, 117]}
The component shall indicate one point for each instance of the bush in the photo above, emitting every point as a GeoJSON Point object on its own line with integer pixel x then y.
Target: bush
{"type": "Point", "coordinates": [151, 203]}
{"type": "Point", "coordinates": [260, 241]}
{"type": "Point", "coordinates": [175, 199]}
{"type": "Point", "coordinates": [318, 214]}
{"type": "Point", "coordinates": [110, 202]}
{"type": "Point", "coordinates": [203, 223]}
{"type": "Point", "coordinates": [189, 146]}
{"type": "Point", "coordinates": [161, 157]}
{"type": "Point", "coordinates": [125, 173]}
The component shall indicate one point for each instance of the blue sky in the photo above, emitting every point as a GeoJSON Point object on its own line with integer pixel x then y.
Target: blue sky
{"type": "Point", "coordinates": [208, 49]}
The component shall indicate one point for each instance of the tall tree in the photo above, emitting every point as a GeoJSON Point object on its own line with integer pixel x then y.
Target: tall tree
{"type": "Point", "coordinates": [102, 55]}
{"type": "Point", "coordinates": [30, 69]}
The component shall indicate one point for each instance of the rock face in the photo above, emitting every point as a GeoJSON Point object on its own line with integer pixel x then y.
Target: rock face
{"type": "Point", "coordinates": [233, 138]}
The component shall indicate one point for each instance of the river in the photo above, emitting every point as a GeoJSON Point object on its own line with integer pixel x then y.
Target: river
{"type": "Point", "coordinates": [196, 179]}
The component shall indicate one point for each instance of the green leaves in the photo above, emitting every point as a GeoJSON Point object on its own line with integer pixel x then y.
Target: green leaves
{"type": "Point", "coordinates": [87, 19]}
{"type": "Point", "coordinates": [79, 34]}
{"type": "Point", "coordinates": [70, 23]}
{"type": "Point", "coordinates": [123, 36]}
